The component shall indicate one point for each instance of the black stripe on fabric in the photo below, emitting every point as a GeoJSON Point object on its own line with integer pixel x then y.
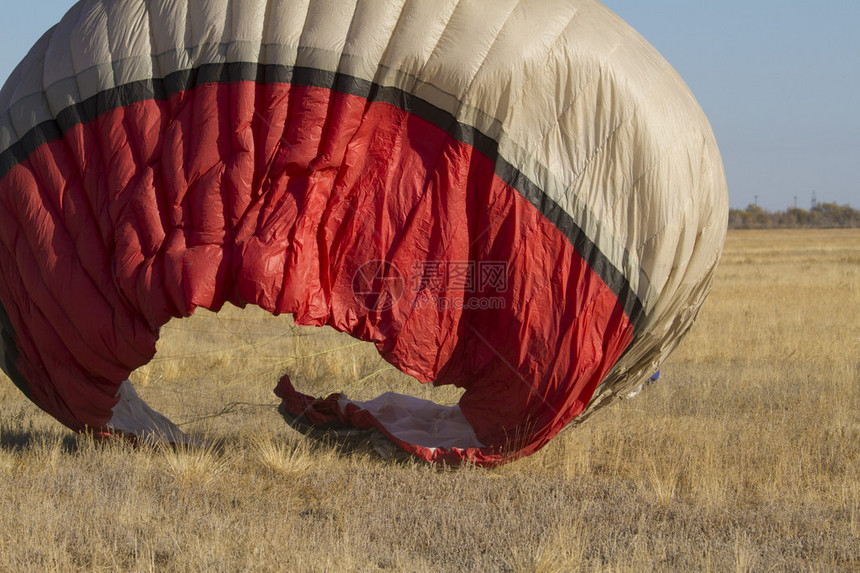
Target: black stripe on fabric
{"type": "Point", "coordinates": [160, 89]}
{"type": "Point", "coordinates": [592, 255]}
{"type": "Point", "coordinates": [9, 348]}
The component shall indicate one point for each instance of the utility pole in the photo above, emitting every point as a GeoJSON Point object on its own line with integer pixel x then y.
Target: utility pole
{"type": "Point", "coordinates": [814, 201]}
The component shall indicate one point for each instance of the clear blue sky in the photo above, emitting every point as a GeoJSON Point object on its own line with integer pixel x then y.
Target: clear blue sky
{"type": "Point", "coordinates": [779, 80]}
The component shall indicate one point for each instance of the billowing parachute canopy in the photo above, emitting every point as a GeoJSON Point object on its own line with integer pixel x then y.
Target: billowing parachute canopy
{"type": "Point", "coordinates": [522, 199]}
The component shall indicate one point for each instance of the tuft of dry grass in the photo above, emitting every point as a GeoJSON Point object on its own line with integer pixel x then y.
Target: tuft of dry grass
{"type": "Point", "coordinates": [286, 458]}
{"type": "Point", "coordinates": [194, 466]}
{"type": "Point", "coordinates": [744, 456]}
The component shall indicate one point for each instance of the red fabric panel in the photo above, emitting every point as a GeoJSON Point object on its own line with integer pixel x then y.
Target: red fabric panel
{"type": "Point", "coordinates": [280, 196]}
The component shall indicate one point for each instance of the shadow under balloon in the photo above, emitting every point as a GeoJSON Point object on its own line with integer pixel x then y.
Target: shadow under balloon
{"type": "Point", "coordinates": [341, 440]}
{"type": "Point", "coordinates": [12, 440]}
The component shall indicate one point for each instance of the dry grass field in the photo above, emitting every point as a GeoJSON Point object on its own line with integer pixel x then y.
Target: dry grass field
{"type": "Point", "coordinates": [744, 456]}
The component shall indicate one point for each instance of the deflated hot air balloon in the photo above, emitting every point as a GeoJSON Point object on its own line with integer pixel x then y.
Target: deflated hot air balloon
{"type": "Point", "coordinates": [519, 198]}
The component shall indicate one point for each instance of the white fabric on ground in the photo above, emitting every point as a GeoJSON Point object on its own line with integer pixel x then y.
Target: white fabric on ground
{"type": "Point", "coordinates": [134, 416]}
{"type": "Point", "coordinates": [420, 422]}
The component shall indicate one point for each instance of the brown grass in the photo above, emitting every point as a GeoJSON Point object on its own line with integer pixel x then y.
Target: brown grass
{"type": "Point", "coordinates": [744, 456]}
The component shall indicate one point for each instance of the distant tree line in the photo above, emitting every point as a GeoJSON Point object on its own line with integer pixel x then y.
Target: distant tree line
{"type": "Point", "coordinates": [822, 215]}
